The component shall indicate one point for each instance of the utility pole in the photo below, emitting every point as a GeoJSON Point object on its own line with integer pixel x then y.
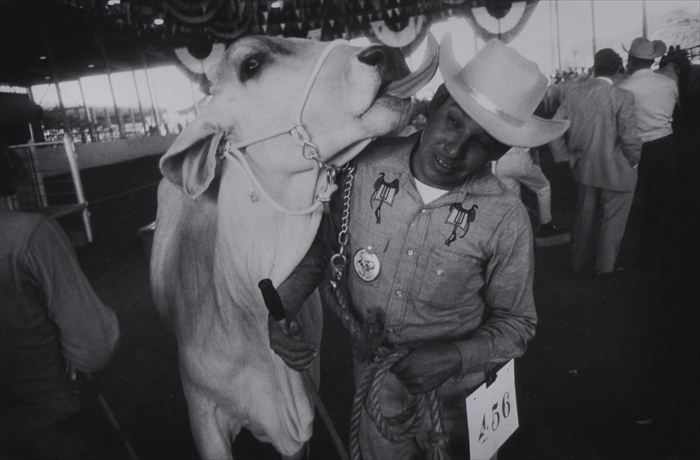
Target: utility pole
{"type": "Point", "coordinates": [595, 48]}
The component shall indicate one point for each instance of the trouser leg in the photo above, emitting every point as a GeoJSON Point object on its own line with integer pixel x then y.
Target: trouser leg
{"type": "Point", "coordinates": [584, 225]}
{"type": "Point", "coordinates": [535, 180]}
{"type": "Point", "coordinates": [615, 208]}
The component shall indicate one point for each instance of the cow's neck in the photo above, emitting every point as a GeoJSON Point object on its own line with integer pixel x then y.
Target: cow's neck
{"type": "Point", "coordinates": [266, 242]}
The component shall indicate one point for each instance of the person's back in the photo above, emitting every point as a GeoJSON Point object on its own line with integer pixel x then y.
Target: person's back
{"type": "Point", "coordinates": [655, 96]}
{"type": "Point", "coordinates": [597, 138]}
{"type": "Point", "coordinates": [51, 321]}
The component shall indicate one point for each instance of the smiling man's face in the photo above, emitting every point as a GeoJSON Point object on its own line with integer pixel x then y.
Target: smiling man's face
{"type": "Point", "coordinates": [453, 147]}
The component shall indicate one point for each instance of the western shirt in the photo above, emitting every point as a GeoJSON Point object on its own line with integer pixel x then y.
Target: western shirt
{"type": "Point", "coordinates": [655, 97]}
{"type": "Point", "coordinates": [458, 269]}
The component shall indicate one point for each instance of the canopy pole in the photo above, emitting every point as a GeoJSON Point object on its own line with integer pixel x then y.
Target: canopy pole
{"type": "Point", "coordinates": [138, 98]}
{"type": "Point", "coordinates": [558, 42]}
{"type": "Point", "coordinates": [154, 106]}
{"type": "Point", "coordinates": [54, 77]}
{"type": "Point", "coordinates": [593, 32]}
{"type": "Point", "coordinates": [645, 22]}
{"type": "Point", "coordinates": [108, 68]}
{"type": "Point", "coordinates": [91, 127]}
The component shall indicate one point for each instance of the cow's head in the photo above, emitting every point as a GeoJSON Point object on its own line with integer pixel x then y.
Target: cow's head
{"type": "Point", "coordinates": [261, 86]}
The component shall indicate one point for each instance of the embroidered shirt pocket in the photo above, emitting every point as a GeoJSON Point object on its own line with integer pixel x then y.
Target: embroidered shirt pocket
{"type": "Point", "coordinates": [450, 278]}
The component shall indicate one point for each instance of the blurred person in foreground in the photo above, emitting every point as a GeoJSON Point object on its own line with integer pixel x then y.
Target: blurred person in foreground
{"type": "Point", "coordinates": [440, 255]}
{"type": "Point", "coordinates": [52, 327]}
{"type": "Point", "coordinates": [603, 147]}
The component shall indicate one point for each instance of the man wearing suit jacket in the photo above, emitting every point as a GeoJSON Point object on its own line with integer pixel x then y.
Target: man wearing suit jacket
{"type": "Point", "coordinates": [604, 149]}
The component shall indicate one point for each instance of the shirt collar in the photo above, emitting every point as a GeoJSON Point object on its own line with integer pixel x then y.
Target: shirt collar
{"type": "Point", "coordinates": [607, 79]}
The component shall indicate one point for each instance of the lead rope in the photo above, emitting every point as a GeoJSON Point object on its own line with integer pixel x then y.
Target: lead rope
{"type": "Point", "coordinates": [408, 423]}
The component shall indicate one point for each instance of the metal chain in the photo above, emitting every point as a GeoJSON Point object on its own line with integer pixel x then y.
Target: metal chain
{"type": "Point", "coordinates": [339, 259]}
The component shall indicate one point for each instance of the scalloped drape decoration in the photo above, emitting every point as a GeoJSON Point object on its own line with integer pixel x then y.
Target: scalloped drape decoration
{"type": "Point", "coordinates": [505, 36]}
{"type": "Point", "coordinates": [206, 66]}
{"type": "Point", "coordinates": [402, 38]}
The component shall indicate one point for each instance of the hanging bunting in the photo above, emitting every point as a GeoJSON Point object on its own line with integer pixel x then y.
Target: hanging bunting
{"type": "Point", "coordinates": [505, 36]}
{"type": "Point", "coordinates": [405, 37]}
{"type": "Point", "coordinates": [206, 66]}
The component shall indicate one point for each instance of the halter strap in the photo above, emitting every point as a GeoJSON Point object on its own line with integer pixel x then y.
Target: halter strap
{"type": "Point", "coordinates": [309, 150]}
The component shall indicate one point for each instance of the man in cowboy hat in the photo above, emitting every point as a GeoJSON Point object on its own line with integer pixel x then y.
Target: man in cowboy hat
{"type": "Point", "coordinates": [604, 149]}
{"type": "Point", "coordinates": [440, 253]}
{"type": "Point", "coordinates": [656, 95]}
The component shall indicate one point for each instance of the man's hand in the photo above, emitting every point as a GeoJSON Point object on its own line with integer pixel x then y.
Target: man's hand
{"type": "Point", "coordinates": [427, 367]}
{"type": "Point", "coordinates": [288, 342]}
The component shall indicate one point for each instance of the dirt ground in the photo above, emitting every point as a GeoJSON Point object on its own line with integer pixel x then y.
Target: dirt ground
{"type": "Point", "coordinates": [606, 352]}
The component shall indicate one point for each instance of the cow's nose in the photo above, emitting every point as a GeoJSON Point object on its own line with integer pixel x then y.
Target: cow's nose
{"type": "Point", "coordinates": [373, 55]}
{"type": "Point", "coordinates": [389, 61]}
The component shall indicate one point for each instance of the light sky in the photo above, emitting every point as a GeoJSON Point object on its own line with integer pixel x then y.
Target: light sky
{"type": "Point", "coordinates": [617, 22]}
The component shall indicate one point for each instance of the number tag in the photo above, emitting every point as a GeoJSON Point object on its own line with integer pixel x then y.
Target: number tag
{"type": "Point", "coordinates": [492, 414]}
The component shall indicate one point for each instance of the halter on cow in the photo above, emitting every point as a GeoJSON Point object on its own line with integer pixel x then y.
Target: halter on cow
{"type": "Point", "coordinates": [309, 150]}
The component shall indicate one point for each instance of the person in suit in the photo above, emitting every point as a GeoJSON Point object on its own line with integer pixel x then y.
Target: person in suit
{"type": "Point", "coordinates": [604, 149]}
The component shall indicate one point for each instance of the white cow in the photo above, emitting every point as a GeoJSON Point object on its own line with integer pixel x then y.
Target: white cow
{"type": "Point", "coordinates": [228, 217]}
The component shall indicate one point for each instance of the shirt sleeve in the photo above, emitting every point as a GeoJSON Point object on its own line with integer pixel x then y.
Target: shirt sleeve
{"type": "Point", "coordinates": [89, 330]}
{"type": "Point", "coordinates": [628, 130]}
{"type": "Point", "coordinates": [510, 316]}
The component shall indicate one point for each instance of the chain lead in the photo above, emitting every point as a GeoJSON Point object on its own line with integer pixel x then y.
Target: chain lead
{"type": "Point", "coordinates": [339, 259]}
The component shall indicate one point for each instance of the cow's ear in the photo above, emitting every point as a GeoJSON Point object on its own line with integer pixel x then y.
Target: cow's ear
{"type": "Point", "coordinates": [190, 162]}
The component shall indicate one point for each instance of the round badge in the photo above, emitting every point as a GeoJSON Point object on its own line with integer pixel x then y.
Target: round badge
{"type": "Point", "coordinates": [366, 264]}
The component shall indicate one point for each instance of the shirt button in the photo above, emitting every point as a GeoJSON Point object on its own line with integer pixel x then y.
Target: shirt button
{"type": "Point", "coordinates": [399, 293]}
{"type": "Point", "coordinates": [410, 252]}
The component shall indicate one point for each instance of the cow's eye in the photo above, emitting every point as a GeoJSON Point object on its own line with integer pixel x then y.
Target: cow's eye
{"type": "Point", "coordinates": [251, 65]}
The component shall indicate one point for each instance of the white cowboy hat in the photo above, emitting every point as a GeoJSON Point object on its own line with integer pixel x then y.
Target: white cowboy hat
{"type": "Point", "coordinates": [644, 49]}
{"type": "Point", "coordinates": [500, 90]}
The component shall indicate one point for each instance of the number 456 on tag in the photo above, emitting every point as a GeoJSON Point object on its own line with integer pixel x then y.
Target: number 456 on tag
{"type": "Point", "coordinates": [492, 414]}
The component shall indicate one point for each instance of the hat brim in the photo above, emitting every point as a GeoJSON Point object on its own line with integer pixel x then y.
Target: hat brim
{"type": "Point", "coordinates": [532, 132]}
{"type": "Point", "coordinates": [659, 50]}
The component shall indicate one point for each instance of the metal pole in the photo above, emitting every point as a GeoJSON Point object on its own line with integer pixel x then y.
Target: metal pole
{"type": "Point", "coordinates": [77, 183]}
{"type": "Point", "coordinates": [593, 34]}
{"type": "Point", "coordinates": [108, 68]}
{"type": "Point", "coordinates": [116, 107]}
{"type": "Point", "coordinates": [66, 121]}
{"type": "Point", "coordinates": [645, 25]}
{"type": "Point", "coordinates": [150, 90]}
{"type": "Point", "coordinates": [54, 77]}
{"type": "Point", "coordinates": [138, 98]}
{"type": "Point", "coordinates": [91, 127]}
{"type": "Point", "coordinates": [556, 13]}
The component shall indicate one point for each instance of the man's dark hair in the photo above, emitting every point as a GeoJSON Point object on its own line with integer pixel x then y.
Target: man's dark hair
{"type": "Point", "coordinates": [606, 63]}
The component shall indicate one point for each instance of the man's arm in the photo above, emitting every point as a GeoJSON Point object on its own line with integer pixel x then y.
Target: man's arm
{"type": "Point", "coordinates": [310, 272]}
{"type": "Point", "coordinates": [510, 306]}
{"type": "Point", "coordinates": [285, 337]}
{"type": "Point", "coordinates": [89, 330]}
{"type": "Point", "coordinates": [627, 129]}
